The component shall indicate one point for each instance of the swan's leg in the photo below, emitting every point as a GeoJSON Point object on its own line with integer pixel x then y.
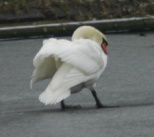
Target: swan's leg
{"type": "Point", "coordinates": [98, 103]}
{"type": "Point", "coordinates": [64, 106]}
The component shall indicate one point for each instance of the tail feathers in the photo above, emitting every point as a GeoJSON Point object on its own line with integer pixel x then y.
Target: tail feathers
{"type": "Point", "coordinates": [49, 97]}
{"type": "Point", "coordinates": [33, 81]}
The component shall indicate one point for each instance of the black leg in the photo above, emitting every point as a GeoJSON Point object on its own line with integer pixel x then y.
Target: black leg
{"type": "Point", "coordinates": [98, 103]}
{"type": "Point", "coordinates": [63, 106]}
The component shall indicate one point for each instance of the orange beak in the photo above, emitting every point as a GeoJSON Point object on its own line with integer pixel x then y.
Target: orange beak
{"type": "Point", "coordinates": [104, 47]}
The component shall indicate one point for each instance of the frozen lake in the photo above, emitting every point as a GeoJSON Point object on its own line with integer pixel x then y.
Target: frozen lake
{"type": "Point", "coordinates": [128, 82]}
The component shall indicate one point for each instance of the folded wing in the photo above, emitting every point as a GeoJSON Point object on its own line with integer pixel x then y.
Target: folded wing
{"type": "Point", "coordinates": [85, 55]}
{"type": "Point", "coordinates": [58, 89]}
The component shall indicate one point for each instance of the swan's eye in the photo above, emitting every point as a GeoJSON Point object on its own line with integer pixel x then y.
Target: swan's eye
{"type": "Point", "coordinates": [104, 41]}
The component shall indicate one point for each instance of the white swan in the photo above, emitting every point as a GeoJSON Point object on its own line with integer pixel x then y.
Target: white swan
{"type": "Point", "coordinates": [72, 65]}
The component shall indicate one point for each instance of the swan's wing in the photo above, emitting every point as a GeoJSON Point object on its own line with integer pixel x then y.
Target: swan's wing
{"type": "Point", "coordinates": [58, 89]}
{"type": "Point", "coordinates": [44, 62]}
{"type": "Point", "coordinates": [86, 55]}
{"type": "Point", "coordinates": [44, 70]}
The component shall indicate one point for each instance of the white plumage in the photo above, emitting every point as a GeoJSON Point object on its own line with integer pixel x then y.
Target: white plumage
{"type": "Point", "coordinates": [72, 65]}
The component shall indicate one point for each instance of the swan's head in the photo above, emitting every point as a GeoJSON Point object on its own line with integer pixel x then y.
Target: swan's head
{"type": "Point", "coordinates": [89, 32]}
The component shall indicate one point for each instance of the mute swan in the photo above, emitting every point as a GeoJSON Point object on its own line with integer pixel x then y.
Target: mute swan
{"type": "Point", "coordinates": [72, 65]}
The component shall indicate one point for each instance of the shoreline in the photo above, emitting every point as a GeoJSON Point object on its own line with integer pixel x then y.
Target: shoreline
{"type": "Point", "coordinates": [133, 24]}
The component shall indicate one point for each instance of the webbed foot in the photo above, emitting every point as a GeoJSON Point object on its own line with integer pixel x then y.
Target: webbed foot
{"type": "Point", "coordinates": [63, 106]}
